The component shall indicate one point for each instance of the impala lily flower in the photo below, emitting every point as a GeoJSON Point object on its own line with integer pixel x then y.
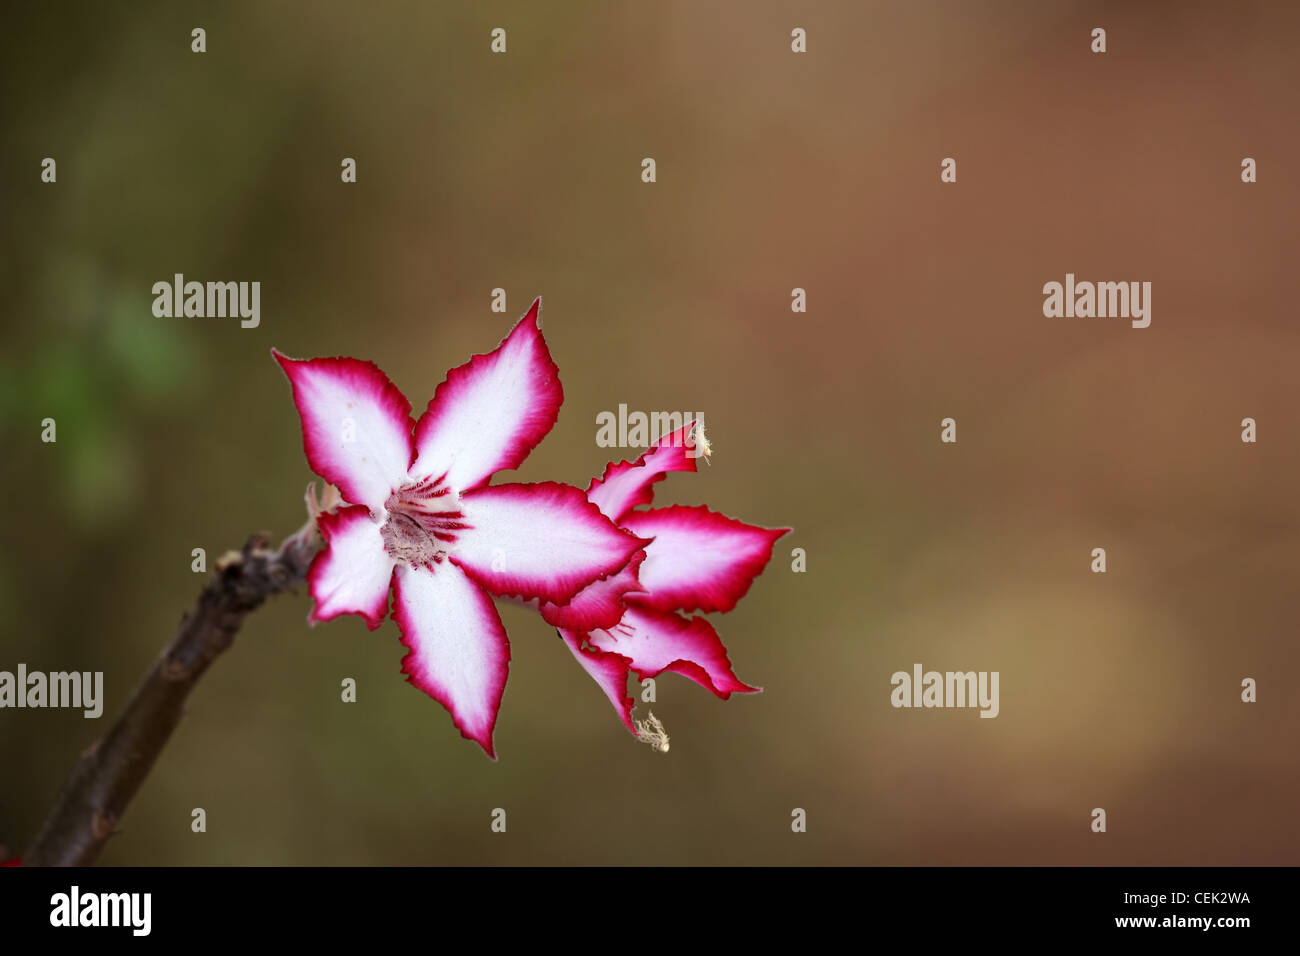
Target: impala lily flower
{"type": "Point", "coordinates": [698, 560]}
{"type": "Point", "coordinates": [422, 520]}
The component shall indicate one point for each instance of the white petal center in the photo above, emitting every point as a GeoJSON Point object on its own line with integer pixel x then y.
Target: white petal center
{"type": "Point", "coordinates": [424, 522]}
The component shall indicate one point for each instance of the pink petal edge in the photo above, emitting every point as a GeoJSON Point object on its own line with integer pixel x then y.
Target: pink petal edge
{"type": "Point", "coordinates": [598, 605]}
{"type": "Point", "coordinates": [329, 391]}
{"type": "Point", "coordinates": [458, 651]}
{"type": "Point", "coordinates": [657, 641]}
{"type": "Point", "coordinates": [608, 670]}
{"type": "Point", "coordinates": [541, 540]}
{"type": "Point", "coordinates": [353, 574]}
{"type": "Point", "coordinates": [488, 414]}
{"type": "Point", "coordinates": [699, 559]}
{"type": "Point", "coordinates": [627, 484]}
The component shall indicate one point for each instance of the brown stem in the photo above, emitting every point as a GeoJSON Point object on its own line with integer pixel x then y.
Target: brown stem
{"type": "Point", "coordinates": [111, 770]}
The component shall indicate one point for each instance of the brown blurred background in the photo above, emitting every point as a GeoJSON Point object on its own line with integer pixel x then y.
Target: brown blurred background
{"type": "Point", "coordinates": [775, 170]}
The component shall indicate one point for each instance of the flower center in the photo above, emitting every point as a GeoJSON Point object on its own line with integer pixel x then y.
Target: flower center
{"type": "Point", "coordinates": [423, 520]}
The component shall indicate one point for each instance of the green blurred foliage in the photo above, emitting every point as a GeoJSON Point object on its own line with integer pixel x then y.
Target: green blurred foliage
{"type": "Point", "coordinates": [106, 378]}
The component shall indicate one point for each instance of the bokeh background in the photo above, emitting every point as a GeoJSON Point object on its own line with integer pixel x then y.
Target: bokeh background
{"type": "Point", "coordinates": [775, 170]}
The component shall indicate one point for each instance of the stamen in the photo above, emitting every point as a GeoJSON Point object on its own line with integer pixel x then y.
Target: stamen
{"type": "Point", "coordinates": [700, 441]}
{"type": "Point", "coordinates": [423, 519]}
{"type": "Point", "coordinates": [652, 732]}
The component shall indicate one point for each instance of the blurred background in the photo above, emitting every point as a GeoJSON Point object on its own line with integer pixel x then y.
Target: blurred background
{"type": "Point", "coordinates": [775, 171]}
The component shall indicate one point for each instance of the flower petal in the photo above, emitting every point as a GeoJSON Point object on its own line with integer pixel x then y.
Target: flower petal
{"type": "Point", "coordinates": [356, 425]}
{"type": "Point", "coordinates": [626, 484]}
{"type": "Point", "coordinates": [353, 574]}
{"type": "Point", "coordinates": [459, 654]}
{"type": "Point", "coordinates": [699, 558]}
{"type": "Point", "coordinates": [543, 540]}
{"type": "Point", "coordinates": [597, 605]}
{"type": "Point", "coordinates": [608, 670]}
{"type": "Point", "coordinates": [489, 413]}
{"type": "Point", "coordinates": [658, 641]}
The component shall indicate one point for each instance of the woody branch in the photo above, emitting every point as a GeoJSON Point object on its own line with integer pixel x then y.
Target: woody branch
{"type": "Point", "coordinates": [111, 771]}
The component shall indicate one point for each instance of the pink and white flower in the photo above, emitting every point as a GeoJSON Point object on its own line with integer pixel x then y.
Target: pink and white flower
{"type": "Point", "coordinates": [422, 521]}
{"type": "Point", "coordinates": [698, 560]}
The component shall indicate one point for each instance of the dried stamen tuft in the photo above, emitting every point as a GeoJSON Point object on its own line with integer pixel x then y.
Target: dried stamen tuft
{"type": "Point", "coordinates": [423, 521]}
{"type": "Point", "coordinates": [652, 732]}
{"type": "Point", "coordinates": [700, 441]}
